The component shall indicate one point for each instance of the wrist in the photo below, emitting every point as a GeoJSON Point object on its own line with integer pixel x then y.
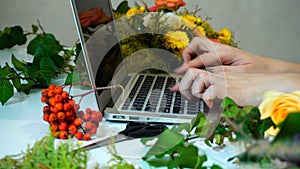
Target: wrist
{"type": "Point", "coordinates": [280, 66]}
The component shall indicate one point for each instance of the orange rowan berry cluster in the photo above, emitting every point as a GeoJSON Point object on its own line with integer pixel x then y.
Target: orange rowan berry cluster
{"type": "Point", "coordinates": [65, 117]}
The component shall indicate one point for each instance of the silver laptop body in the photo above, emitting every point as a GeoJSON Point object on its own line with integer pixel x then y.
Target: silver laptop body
{"type": "Point", "coordinates": [146, 96]}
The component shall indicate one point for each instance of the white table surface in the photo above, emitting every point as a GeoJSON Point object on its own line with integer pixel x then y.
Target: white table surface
{"type": "Point", "coordinates": [21, 125]}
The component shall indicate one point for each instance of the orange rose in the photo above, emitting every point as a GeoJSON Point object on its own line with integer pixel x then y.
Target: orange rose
{"type": "Point", "coordinates": [167, 4]}
{"type": "Point", "coordinates": [278, 105]}
{"type": "Point", "coordinates": [93, 17]}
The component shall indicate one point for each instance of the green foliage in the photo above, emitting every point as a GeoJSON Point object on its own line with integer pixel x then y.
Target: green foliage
{"type": "Point", "coordinates": [12, 36]}
{"type": "Point", "coordinates": [290, 131]}
{"type": "Point", "coordinates": [45, 155]}
{"type": "Point", "coordinates": [174, 150]}
{"type": "Point", "coordinates": [123, 7]}
{"type": "Point", "coordinates": [244, 122]}
{"type": "Point", "coordinates": [50, 58]}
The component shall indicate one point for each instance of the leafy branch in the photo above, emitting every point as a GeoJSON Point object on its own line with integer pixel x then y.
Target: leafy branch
{"type": "Point", "coordinates": [50, 58]}
{"type": "Point", "coordinates": [44, 154]}
{"type": "Point", "coordinates": [174, 149]}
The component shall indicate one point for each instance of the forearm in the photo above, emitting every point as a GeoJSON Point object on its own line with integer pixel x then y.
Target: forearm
{"type": "Point", "coordinates": [284, 82]}
{"type": "Point", "coordinates": [280, 66]}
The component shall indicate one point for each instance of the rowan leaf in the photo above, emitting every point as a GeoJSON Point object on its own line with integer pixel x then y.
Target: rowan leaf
{"type": "Point", "coordinates": [6, 91]}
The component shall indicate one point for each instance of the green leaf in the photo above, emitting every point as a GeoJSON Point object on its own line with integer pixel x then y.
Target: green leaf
{"type": "Point", "coordinates": [6, 69]}
{"type": "Point", "coordinates": [46, 42]}
{"type": "Point", "coordinates": [290, 128]}
{"type": "Point", "coordinates": [27, 87]}
{"type": "Point", "coordinates": [123, 7]}
{"type": "Point", "coordinates": [71, 78]}
{"type": "Point", "coordinates": [2, 72]}
{"type": "Point", "coordinates": [12, 36]}
{"type": "Point", "coordinates": [231, 109]}
{"type": "Point", "coordinates": [158, 162]}
{"type": "Point", "coordinates": [17, 35]}
{"type": "Point", "coordinates": [48, 69]}
{"type": "Point", "coordinates": [182, 126]}
{"type": "Point", "coordinates": [20, 66]}
{"type": "Point", "coordinates": [34, 28]}
{"type": "Point", "coordinates": [203, 126]}
{"type": "Point", "coordinates": [6, 91]}
{"type": "Point", "coordinates": [188, 157]}
{"type": "Point", "coordinates": [166, 141]}
{"type": "Point", "coordinates": [17, 83]}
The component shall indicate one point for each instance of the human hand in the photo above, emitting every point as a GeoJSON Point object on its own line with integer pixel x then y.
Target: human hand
{"type": "Point", "coordinates": [216, 57]}
{"type": "Point", "coordinates": [244, 89]}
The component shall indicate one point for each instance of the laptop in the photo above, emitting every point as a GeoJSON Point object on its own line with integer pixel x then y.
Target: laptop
{"type": "Point", "coordinates": [139, 92]}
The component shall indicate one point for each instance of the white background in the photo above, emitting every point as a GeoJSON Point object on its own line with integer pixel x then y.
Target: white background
{"type": "Point", "coordinates": [266, 27]}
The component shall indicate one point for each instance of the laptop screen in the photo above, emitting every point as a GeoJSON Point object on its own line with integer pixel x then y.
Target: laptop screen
{"type": "Point", "coordinates": [101, 50]}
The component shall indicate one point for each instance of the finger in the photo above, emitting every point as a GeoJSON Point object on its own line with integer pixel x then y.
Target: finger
{"type": "Point", "coordinates": [174, 88]}
{"type": "Point", "coordinates": [209, 95]}
{"type": "Point", "coordinates": [188, 54]}
{"type": "Point", "coordinates": [186, 83]}
{"type": "Point", "coordinates": [197, 46]}
{"type": "Point", "coordinates": [218, 69]}
{"type": "Point", "coordinates": [200, 84]}
{"type": "Point", "coordinates": [204, 60]}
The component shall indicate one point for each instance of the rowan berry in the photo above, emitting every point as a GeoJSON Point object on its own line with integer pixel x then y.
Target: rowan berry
{"type": "Point", "coordinates": [80, 114]}
{"type": "Point", "coordinates": [44, 92]}
{"type": "Point", "coordinates": [88, 110]}
{"type": "Point", "coordinates": [92, 131]}
{"type": "Point", "coordinates": [69, 114]}
{"type": "Point", "coordinates": [89, 125]}
{"type": "Point", "coordinates": [58, 89]}
{"type": "Point", "coordinates": [43, 99]}
{"type": "Point", "coordinates": [51, 86]}
{"type": "Point", "coordinates": [54, 127]}
{"type": "Point", "coordinates": [52, 117]}
{"type": "Point", "coordinates": [46, 109]}
{"type": "Point", "coordinates": [96, 125]}
{"type": "Point", "coordinates": [78, 135]}
{"type": "Point", "coordinates": [61, 116]}
{"type": "Point", "coordinates": [63, 135]}
{"type": "Point", "coordinates": [86, 136]}
{"type": "Point", "coordinates": [46, 117]}
{"type": "Point", "coordinates": [67, 107]}
{"type": "Point", "coordinates": [71, 102]}
{"type": "Point", "coordinates": [52, 101]}
{"type": "Point", "coordinates": [72, 129]}
{"type": "Point", "coordinates": [62, 126]}
{"type": "Point", "coordinates": [59, 106]}
{"type": "Point", "coordinates": [53, 109]}
{"type": "Point", "coordinates": [58, 98]}
{"type": "Point", "coordinates": [96, 116]}
{"type": "Point", "coordinates": [51, 93]}
{"type": "Point", "coordinates": [77, 121]}
{"type": "Point", "coordinates": [86, 117]}
{"type": "Point", "coordinates": [65, 95]}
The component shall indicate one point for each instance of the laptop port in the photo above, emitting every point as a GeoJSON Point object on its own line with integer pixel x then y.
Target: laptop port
{"type": "Point", "coordinates": [134, 118]}
{"type": "Point", "coordinates": [118, 117]}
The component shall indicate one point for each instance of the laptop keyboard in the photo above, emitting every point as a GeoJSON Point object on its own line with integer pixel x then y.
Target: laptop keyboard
{"type": "Point", "coordinates": [151, 94]}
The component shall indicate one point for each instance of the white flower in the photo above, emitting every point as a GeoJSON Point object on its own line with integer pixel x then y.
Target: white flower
{"type": "Point", "coordinates": [167, 19]}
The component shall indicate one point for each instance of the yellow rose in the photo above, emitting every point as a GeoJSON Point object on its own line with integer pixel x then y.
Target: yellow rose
{"type": "Point", "coordinates": [278, 105]}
